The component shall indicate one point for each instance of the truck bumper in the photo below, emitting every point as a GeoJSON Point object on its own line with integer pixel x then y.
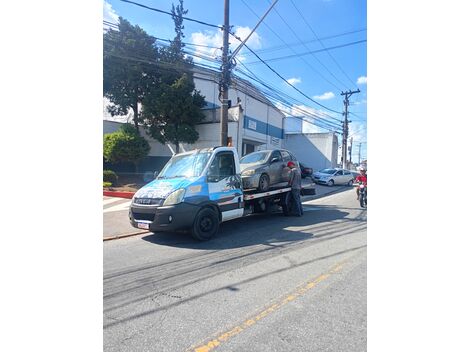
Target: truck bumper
{"type": "Point", "coordinates": [164, 218]}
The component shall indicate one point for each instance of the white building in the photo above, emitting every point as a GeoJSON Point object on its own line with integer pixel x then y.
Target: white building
{"type": "Point", "coordinates": [316, 150]}
{"type": "Point", "coordinates": [254, 122]}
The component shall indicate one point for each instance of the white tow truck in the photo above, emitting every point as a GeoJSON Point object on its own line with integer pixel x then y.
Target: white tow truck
{"type": "Point", "coordinates": [199, 189]}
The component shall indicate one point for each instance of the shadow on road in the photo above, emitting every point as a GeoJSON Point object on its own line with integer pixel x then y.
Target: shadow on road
{"type": "Point", "coordinates": [254, 229]}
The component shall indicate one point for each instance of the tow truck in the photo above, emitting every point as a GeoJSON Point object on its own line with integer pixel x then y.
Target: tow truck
{"type": "Point", "coordinates": [199, 189]}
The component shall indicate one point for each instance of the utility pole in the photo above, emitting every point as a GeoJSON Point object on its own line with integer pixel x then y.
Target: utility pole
{"type": "Point", "coordinates": [225, 79]}
{"type": "Point", "coordinates": [345, 125]}
{"type": "Point", "coordinates": [226, 68]}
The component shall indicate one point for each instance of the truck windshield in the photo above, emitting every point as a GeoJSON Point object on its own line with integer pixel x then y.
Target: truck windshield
{"type": "Point", "coordinates": [257, 157]}
{"type": "Point", "coordinates": [186, 165]}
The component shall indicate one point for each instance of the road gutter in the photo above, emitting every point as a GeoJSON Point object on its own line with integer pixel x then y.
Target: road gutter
{"type": "Point", "coordinates": [109, 238]}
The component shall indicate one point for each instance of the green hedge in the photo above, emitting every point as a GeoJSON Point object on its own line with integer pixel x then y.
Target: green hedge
{"type": "Point", "coordinates": [110, 176]}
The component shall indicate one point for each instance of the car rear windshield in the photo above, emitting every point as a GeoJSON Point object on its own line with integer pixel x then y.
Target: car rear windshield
{"type": "Point", "coordinates": [328, 171]}
{"type": "Point", "coordinates": [257, 157]}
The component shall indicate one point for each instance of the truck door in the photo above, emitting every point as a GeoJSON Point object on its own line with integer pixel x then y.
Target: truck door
{"type": "Point", "coordinates": [225, 185]}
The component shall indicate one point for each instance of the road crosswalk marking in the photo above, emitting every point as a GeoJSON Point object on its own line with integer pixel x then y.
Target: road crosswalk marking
{"type": "Point", "coordinates": [124, 205]}
{"type": "Point", "coordinates": [107, 201]}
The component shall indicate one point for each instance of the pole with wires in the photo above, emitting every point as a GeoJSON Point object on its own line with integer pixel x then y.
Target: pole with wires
{"type": "Point", "coordinates": [346, 127]}
{"type": "Point", "coordinates": [224, 79]}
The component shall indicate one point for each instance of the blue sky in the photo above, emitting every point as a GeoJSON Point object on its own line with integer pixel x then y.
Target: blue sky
{"type": "Point", "coordinates": [283, 35]}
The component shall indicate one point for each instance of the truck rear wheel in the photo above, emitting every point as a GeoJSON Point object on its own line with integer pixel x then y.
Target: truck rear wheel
{"type": "Point", "coordinates": [206, 224]}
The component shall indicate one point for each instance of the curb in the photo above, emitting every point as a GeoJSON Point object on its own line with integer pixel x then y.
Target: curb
{"type": "Point", "coordinates": [127, 195]}
{"type": "Point", "coordinates": [109, 238]}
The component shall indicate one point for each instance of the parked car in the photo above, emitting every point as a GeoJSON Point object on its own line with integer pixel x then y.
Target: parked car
{"type": "Point", "coordinates": [306, 171]}
{"type": "Point", "coordinates": [264, 169]}
{"type": "Point", "coordinates": [333, 177]}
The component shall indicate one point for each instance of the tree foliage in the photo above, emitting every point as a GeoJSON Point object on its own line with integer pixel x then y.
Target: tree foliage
{"type": "Point", "coordinates": [172, 114]}
{"type": "Point", "coordinates": [173, 108]}
{"type": "Point", "coordinates": [125, 145]}
{"type": "Point", "coordinates": [136, 73]}
{"type": "Point", "coordinates": [127, 80]}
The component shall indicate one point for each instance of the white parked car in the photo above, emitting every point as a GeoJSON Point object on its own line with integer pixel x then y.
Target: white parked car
{"type": "Point", "coordinates": [333, 177]}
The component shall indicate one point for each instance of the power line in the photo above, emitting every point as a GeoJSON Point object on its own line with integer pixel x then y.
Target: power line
{"type": "Point", "coordinates": [280, 97]}
{"type": "Point", "coordinates": [277, 74]}
{"type": "Point", "coordinates": [282, 40]}
{"type": "Point", "coordinates": [210, 77]}
{"type": "Point", "coordinates": [166, 40]}
{"type": "Point", "coordinates": [319, 61]}
{"type": "Point", "coordinates": [169, 13]}
{"type": "Point", "coordinates": [310, 52]}
{"type": "Point", "coordinates": [315, 34]}
{"type": "Point", "coordinates": [281, 47]}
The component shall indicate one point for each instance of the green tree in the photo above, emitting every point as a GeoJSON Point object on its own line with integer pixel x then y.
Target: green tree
{"type": "Point", "coordinates": [128, 74]}
{"type": "Point", "coordinates": [173, 108]}
{"type": "Point", "coordinates": [171, 115]}
{"type": "Point", "coordinates": [125, 145]}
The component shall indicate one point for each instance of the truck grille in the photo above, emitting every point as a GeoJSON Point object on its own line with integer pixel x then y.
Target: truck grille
{"type": "Point", "coordinates": [143, 216]}
{"type": "Point", "coordinates": [148, 201]}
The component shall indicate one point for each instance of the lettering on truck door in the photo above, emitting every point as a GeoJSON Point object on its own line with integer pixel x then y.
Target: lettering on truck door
{"type": "Point", "coordinates": [225, 185]}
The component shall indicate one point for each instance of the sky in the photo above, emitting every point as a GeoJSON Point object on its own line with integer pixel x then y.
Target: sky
{"type": "Point", "coordinates": [334, 30]}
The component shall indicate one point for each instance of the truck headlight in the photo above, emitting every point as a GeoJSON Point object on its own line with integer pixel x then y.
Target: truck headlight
{"type": "Point", "coordinates": [248, 172]}
{"type": "Point", "coordinates": [175, 198]}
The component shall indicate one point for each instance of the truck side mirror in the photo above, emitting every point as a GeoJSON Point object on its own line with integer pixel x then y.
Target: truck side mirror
{"type": "Point", "coordinates": [155, 174]}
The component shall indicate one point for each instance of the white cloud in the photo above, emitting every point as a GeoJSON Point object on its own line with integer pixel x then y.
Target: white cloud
{"type": "Point", "coordinates": [325, 96]}
{"type": "Point", "coordinates": [363, 101]}
{"type": "Point", "coordinates": [255, 40]}
{"type": "Point", "coordinates": [109, 14]}
{"type": "Point", "coordinates": [294, 81]}
{"type": "Point", "coordinates": [215, 39]}
{"type": "Point", "coordinates": [207, 38]}
{"type": "Point", "coordinates": [362, 80]}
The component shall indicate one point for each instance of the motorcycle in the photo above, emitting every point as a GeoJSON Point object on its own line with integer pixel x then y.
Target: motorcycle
{"type": "Point", "coordinates": [363, 195]}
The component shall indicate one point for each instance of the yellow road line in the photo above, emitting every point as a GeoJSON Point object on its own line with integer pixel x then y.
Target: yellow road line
{"type": "Point", "coordinates": [213, 343]}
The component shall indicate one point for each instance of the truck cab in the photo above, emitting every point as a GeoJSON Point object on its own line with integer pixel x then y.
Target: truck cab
{"type": "Point", "coordinates": [195, 190]}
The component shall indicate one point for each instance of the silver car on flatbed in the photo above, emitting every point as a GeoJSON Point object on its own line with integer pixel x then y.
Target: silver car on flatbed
{"type": "Point", "coordinates": [264, 169]}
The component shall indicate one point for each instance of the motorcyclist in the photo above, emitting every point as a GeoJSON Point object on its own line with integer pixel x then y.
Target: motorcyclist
{"type": "Point", "coordinates": [361, 178]}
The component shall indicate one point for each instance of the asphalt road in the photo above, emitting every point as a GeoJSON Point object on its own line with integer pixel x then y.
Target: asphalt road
{"type": "Point", "coordinates": [264, 283]}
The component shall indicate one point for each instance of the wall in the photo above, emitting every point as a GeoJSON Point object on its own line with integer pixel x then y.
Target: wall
{"type": "Point", "coordinates": [260, 122]}
{"type": "Point", "coordinates": [316, 150]}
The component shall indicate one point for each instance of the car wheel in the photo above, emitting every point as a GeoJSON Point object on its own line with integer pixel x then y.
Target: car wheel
{"type": "Point", "coordinates": [206, 224]}
{"type": "Point", "coordinates": [330, 183]}
{"type": "Point", "coordinates": [263, 185]}
{"type": "Point", "coordinates": [350, 183]}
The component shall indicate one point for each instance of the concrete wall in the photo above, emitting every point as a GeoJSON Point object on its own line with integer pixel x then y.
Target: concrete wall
{"type": "Point", "coordinates": [316, 150]}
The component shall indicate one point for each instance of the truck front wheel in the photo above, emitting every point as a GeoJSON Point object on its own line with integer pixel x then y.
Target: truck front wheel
{"type": "Point", "coordinates": [206, 224]}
